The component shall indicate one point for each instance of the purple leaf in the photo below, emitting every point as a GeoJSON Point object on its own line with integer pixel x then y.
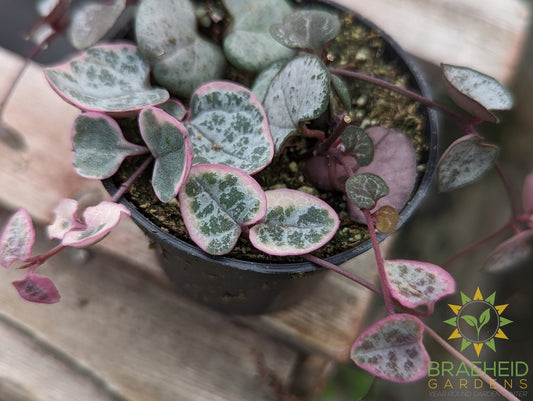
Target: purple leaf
{"type": "Point", "coordinates": [510, 253]}
{"type": "Point", "coordinates": [65, 219]}
{"type": "Point", "coordinates": [392, 349]}
{"type": "Point", "coordinates": [477, 93]}
{"type": "Point", "coordinates": [35, 288]}
{"type": "Point", "coordinates": [99, 220]}
{"type": "Point", "coordinates": [18, 237]}
{"type": "Point", "coordinates": [395, 163]}
{"type": "Point", "coordinates": [527, 194]}
{"type": "Point", "coordinates": [464, 162]}
{"type": "Point", "coordinates": [414, 283]}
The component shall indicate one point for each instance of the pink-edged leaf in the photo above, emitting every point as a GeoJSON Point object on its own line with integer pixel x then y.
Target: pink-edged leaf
{"type": "Point", "coordinates": [395, 163]}
{"type": "Point", "coordinates": [65, 219]}
{"type": "Point", "coordinates": [18, 237]}
{"type": "Point", "coordinates": [392, 349]}
{"type": "Point", "coordinates": [100, 146]}
{"type": "Point", "coordinates": [415, 283]}
{"type": "Point", "coordinates": [527, 194]}
{"type": "Point", "coordinates": [175, 108]}
{"type": "Point", "coordinates": [296, 223]}
{"type": "Point", "coordinates": [465, 161]}
{"type": "Point", "coordinates": [35, 288]}
{"type": "Point", "coordinates": [216, 202]}
{"type": "Point", "coordinates": [510, 253]}
{"type": "Point", "coordinates": [99, 221]}
{"type": "Point", "coordinates": [169, 143]}
{"type": "Point", "coordinates": [111, 78]}
{"type": "Point", "coordinates": [475, 92]}
{"type": "Point", "coordinates": [91, 21]}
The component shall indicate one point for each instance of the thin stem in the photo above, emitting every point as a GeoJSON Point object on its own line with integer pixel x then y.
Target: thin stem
{"type": "Point", "coordinates": [324, 146]}
{"type": "Point", "coordinates": [464, 121]}
{"type": "Point", "coordinates": [38, 260]}
{"type": "Point", "coordinates": [380, 262]}
{"type": "Point", "coordinates": [491, 382]}
{"type": "Point", "coordinates": [127, 184]}
{"type": "Point", "coordinates": [509, 190]}
{"type": "Point", "coordinates": [337, 269]}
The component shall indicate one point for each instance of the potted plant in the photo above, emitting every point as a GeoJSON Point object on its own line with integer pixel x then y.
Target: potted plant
{"type": "Point", "coordinates": [168, 131]}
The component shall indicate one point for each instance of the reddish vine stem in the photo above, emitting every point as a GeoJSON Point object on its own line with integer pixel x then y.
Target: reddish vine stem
{"type": "Point", "coordinates": [380, 262]}
{"type": "Point", "coordinates": [127, 184]}
{"type": "Point", "coordinates": [38, 260]}
{"type": "Point", "coordinates": [463, 121]}
{"type": "Point", "coordinates": [491, 382]}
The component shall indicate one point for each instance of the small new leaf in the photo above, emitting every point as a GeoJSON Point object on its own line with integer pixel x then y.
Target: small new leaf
{"type": "Point", "coordinates": [358, 144]}
{"type": "Point", "coordinates": [169, 143]}
{"type": "Point", "coordinates": [477, 93]}
{"type": "Point", "coordinates": [392, 349]}
{"type": "Point", "coordinates": [296, 223]}
{"type": "Point", "coordinates": [99, 146]}
{"type": "Point", "coordinates": [415, 283]}
{"type": "Point", "coordinates": [464, 162]}
{"type": "Point", "coordinates": [306, 29]}
{"type": "Point", "coordinates": [18, 237]}
{"type": "Point", "coordinates": [65, 219]}
{"type": "Point", "coordinates": [365, 189]}
{"type": "Point", "coordinates": [216, 202]}
{"type": "Point", "coordinates": [387, 219]}
{"type": "Point", "coordinates": [39, 289]}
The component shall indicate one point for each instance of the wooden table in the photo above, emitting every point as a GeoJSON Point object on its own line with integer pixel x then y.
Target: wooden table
{"type": "Point", "coordinates": [120, 331]}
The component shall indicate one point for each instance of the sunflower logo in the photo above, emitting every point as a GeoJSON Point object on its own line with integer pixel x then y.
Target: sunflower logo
{"type": "Point", "coordinates": [478, 321]}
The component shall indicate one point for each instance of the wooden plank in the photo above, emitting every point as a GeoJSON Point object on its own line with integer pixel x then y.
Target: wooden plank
{"type": "Point", "coordinates": [488, 35]}
{"type": "Point", "coordinates": [126, 338]}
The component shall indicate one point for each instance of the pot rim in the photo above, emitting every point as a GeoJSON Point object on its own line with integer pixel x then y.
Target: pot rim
{"type": "Point", "coordinates": [424, 182]}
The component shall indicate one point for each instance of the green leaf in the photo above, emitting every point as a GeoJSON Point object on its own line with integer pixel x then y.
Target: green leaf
{"type": "Point", "coordinates": [358, 144]}
{"type": "Point", "coordinates": [298, 93]}
{"type": "Point", "coordinates": [167, 36]}
{"type": "Point", "coordinates": [415, 283]}
{"type": "Point", "coordinates": [175, 108]}
{"type": "Point", "coordinates": [216, 203]}
{"type": "Point", "coordinates": [342, 90]}
{"type": "Point", "coordinates": [365, 189]}
{"type": "Point", "coordinates": [471, 320]}
{"type": "Point", "coordinates": [477, 93]}
{"type": "Point", "coordinates": [250, 46]}
{"type": "Point", "coordinates": [99, 146]}
{"type": "Point", "coordinates": [107, 78]}
{"type": "Point", "coordinates": [168, 141]}
{"type": "Point", "coordinates": [91, 21]}
{"type": "Point", "coordinates": [464, 162]}
{"type": "Point", "coordinates": [392, 349]}
{"type": "Point", "coordinates": [229, 126]}
{"type": "Point", "coordinates": [264, 79]}
{"type": "Point", "coordinates": [484, 318]}
{"type": "Point", "coordinates": [296, 223]}
{"type": "Point", "coordinates": [306, 29]}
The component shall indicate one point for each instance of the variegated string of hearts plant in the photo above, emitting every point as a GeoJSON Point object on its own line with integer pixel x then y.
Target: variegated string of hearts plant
{"type": "Point", "coordinates": [206, 150]}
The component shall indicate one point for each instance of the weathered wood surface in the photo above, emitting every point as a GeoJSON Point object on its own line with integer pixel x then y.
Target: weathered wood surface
{"type": "Point", "coordinates": [487, 35]}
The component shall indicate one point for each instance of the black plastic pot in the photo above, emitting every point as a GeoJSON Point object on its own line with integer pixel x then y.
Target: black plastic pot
{"type": "Point", "coordinates": [243, 287]}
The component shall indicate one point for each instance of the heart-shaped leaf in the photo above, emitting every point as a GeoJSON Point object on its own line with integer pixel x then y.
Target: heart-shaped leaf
{"type": "Point", "coordinates": [477, 93]}
{"type": "Point", "coordinates": [387, 219]}
{"type": "Point", "coordinates": [306, 29]}
{"type": "Point", "coordinates": [392, 349]}
{"type": "Point", "coordinates": [394, 161]}
{"type": "Point", "coordinates": [35, 288]}
{"type": "Point", "coordinates": [168, 141]}
{"type": "Point", "coordinates": [298, 93]}
{"type": "Point", "coordinates": [107, 78]}
{"type": "Point", "coordinates": [65, 219]}
{"type": "Point", "coordinates": [216, 203]}
{"type": "Point", "coordinates": [99, 146]}
{"type": "Point", "coordinates": [365, 189]}
{"type": "Point", "coordinates": [18, 237]}
{"type": "Point", "coordinates": [99, 221]}
{"type": "Point", "coordinates": [465, 161]}
{"type": "Point", "coordinates": [167, 36]}
{"type": "Point", "coordinates": [91, 21]}
{"type": "Point", "coordinates": [527, 194]}
{"type": "Point", "coordinates": [296, 223]}
{"type": "Point", "coordinates": [358, 144]}
{"type": "Point", "coordinates": [414, 283]}
{"type": "Point", "coordinates": [250, 46]}
{"type": "Point", "coordinates": [229, 126]}
{"type": "Point", "coordinates": [264, 79]}
{"type": "Point", "coordinates": [175, 108]}
{"type": "Point", "coordinates": [510, 253]}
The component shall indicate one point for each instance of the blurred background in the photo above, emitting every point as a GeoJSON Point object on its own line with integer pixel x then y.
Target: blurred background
{"type": "Point", "coordinates": [446, 223]}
